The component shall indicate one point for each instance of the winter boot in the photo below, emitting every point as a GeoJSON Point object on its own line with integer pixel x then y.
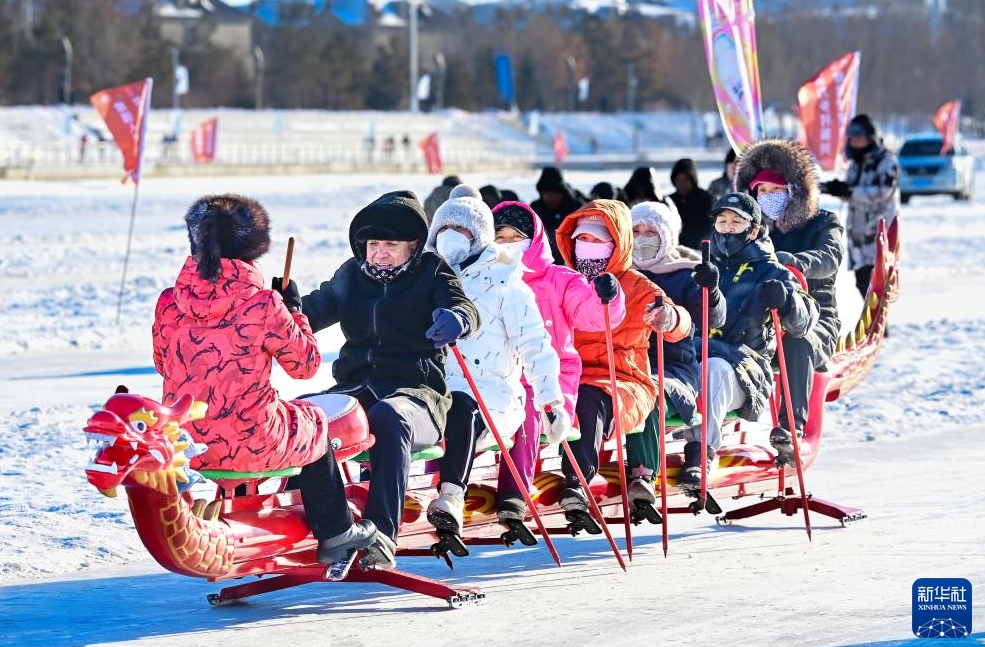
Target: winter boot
{"type": "Point", "coordinates": [511, 506]}
{"type": "Point", "coordinates": [782, 442]}
{"type": "Point", "coordinates": [445, 512]}
{"type": "Point", "coordinates": [359, 536]}
{"type": "Point", "coordinates": [573, 497]}
{"type": "Point", "coordinates": [641, 489]}
{"type": "Point", "coordinates": [689, 478]}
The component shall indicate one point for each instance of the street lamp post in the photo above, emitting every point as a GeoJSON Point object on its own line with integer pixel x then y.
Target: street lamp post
{"type": "Point", "coordinates": [67, 71]}
{"type": "Point", "coordinates": [439, 72]}
{"type": "Point", "coordinates": [412, 8]}
{"type": "Point", "coordinates": [174, 77]}
{"type": "Point", "coordinates": [569, 61]}
{"type": "Point", "coordinates": [258, 68]}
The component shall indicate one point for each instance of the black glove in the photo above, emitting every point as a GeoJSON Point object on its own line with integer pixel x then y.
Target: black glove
{"type": "Point", "coordinates": [786, 258]}
{"type": "Point", "coordinates": [837, 188]}
{"type": "Point", "coordinates": [773, 294]}
{"type": "Point", "coordinates": [447, 327]}
{"type": "Point", "coordinates": [606, 287]}
{"type": "Point", "coordinates": [292, 297]}
{"type": "Point", "coordinates": [706, 275]}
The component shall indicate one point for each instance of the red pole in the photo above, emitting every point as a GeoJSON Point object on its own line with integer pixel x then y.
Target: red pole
{"type": "Point", "coordinates": [781, 360]}
{"type": "Point", "coordinates": [662, 429]}
{"type": "Point", "coordinates": [505, 454]}
{"type": "Point", "coordinates": [618, 427]}
{"type": "Point", "coordinates": [705, 257]}
{"type": "Point", "coordinates": [593, 504]}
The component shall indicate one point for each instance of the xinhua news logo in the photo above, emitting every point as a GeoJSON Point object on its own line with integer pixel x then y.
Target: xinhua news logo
{"type": "Point", "coordinates": [941, 607]}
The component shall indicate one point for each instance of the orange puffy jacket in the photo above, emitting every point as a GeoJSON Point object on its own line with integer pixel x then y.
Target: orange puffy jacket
{"type": "Point", "coordinates": [631, 338]}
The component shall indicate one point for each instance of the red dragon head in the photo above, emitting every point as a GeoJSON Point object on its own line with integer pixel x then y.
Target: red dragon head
{"type": "Point", "coordinates": [141, 439]}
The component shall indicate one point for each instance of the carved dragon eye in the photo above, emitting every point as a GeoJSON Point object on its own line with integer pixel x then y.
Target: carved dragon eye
{"type": "Point", "coordinates": [142, 420]}
{"type": "Point", "coordinates": [139, 425]}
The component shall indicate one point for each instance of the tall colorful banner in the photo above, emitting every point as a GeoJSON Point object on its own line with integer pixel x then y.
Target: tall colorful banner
{"type": "Point", "coordinates": [204, 140]}
{"type": "Point", "coordinates": [432, 153]}
{"type": "Point", "coordinates": [125, 110]}
{"type": "Point", "coordinates": [729, 32]}
{"type": "Point", "coordinates": [504, 79]}
{"type": "Point", "coordinates": [560, 147]}
{"type": "Point", "coordinates": [827, 103]}
{"type": "Point", "coordinates": [946, 121]}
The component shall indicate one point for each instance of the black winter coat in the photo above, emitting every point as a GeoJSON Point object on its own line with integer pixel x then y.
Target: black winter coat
{"type": "Point", "coordinates": [385, 349]}
{"type": "Point", "coordinates": [747, 340]}
{"type": "Point", "coordinates": [816, 249]}
{"type": "Point", "coordinates": [552, 218]}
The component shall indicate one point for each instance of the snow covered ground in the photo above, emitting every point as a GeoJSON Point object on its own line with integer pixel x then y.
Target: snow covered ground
{"type": "Point", "coordinates": [907, 446]}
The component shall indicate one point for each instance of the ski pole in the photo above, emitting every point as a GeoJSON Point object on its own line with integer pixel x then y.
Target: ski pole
{"type": "Point", "coordinates": [287, 261]}
{"type": "Point", "coordinates": [705, 258]}
{"type": "Point", "coordinates": [785, 383]}
{"type": "Point", "coordinates": [658, 302]}
{"type": "Point", "coordinates": [618, 429]}
{"type": "Point", "coordinates": [504, 453]}
{"type": "Point", "coordinates": [593, 504]}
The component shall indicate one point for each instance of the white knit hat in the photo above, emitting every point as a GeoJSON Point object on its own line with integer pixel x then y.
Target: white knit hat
{"type": "Point", "coordinates": [658, 215]}
{"type": "Point", "coordinates": [593, 225]}
{"type": "Point", "coordinates": [464, 208]}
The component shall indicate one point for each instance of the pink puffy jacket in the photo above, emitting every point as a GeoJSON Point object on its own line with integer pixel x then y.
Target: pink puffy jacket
{"type": "Point", "coordinates": [216, 342]}
{"type": "Point", "coordinates": [566, 302]}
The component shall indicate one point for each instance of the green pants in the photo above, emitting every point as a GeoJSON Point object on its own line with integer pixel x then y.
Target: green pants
{"type": "Point", "coordinates": [643, 449]}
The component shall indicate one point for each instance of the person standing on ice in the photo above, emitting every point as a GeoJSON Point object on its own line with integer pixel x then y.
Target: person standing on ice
{"type": "Point", "coordinates": [556, 200]}
{"type": "Point", "coordinates": [216, 334]}
{"type": "Point", "coordinates": [398, 306]}
{"type": "Point", "coordinates": [739, 352]}
{"type": "Point", "coordinates": [567, 301]}
{"type": "Point", "coordinates": [679, 272]}
{"type": "Point", "coordinates": [595, 239]}
{"type": "Point", "coordinates": [871, 188]}
{"type": "Point", "coordinates": [512, 342]}
{"type": "Point", "coordinates": [782, 176]}
{"type": "Point", "coordinates": [693, 203]}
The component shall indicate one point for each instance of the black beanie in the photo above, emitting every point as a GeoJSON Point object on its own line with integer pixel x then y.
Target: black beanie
{"type": "Point", "coordinates": [226, 226]}
{"type": "Point", "coordinates": [516, 215]}
{"type": "Point", "coordinates": [550, 180]}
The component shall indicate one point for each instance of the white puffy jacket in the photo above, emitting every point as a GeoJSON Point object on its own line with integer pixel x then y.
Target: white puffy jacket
{"type": "Point", "coordinates": [511, 341]}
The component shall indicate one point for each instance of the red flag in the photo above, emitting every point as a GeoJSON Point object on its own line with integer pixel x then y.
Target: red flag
{"type": "Point", "coordinates": [432, 153]}
{"type": "Point", "coordinates": [203, 140]}
{"type": "Point", "coordinates": [560, 147]}
{"type": "Point", "coordinates": [125, 109]}
{"type": "Point", "coordinates": [946, 122]}
{"type": "Point", "coordinates": [827, 104]}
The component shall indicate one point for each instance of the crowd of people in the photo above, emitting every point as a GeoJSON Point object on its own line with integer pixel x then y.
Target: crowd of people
{"type": "Point", "coordinates": [532, 293]}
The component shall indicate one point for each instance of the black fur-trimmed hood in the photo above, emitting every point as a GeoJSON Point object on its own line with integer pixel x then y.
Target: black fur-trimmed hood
{"type": "Point", "coordinates": [797, 166]}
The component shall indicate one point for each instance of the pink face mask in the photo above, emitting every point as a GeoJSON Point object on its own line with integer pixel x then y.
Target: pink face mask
{"type": "Point", "coordinates": [585, 250]}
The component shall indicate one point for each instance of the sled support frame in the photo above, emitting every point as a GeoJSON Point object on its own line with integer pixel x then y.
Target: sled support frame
{"type": "Point", "coordinates": [457, 597]}
{"type": "Point", "coordinates": [789, 504]}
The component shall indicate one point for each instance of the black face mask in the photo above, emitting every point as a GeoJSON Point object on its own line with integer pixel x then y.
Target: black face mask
{"type": "Point", "coordinates": [728, 245]}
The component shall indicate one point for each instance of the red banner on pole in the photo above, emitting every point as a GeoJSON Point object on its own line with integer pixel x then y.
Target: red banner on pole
{"type": "Point", "coordinates": [432, 153]}
{"type": "Point", "coordinates": [827, 103]}
{"type": "Point", "coordinates": [125, 109]}
{"type": "Point", "coordinates": [946, 122]}
{"type": "Point", "coordinates": [560, 147]}
{"type": "Point", "coordinates": [203, 141]}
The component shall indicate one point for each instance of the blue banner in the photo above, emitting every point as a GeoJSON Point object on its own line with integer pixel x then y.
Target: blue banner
{"type": "Point", "coordinates": [504, 78]}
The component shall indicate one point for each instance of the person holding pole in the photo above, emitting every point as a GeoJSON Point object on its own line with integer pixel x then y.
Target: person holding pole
{"type": "Point", "coordinates": [511, 342]}
{"type": "Point", "coordinates": [216, 334]}
{"type": "Point", "coordinates": [398, 306]}
{"type": "Point", "coordinates": [752, 283]}
{"type": "Point", "coordinates": [594, 239]}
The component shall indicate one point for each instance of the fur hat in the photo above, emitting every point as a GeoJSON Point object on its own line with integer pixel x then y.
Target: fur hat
{"type": "Point", "coordinates": [464, 208]}
{"type": "Point", "coordinates": [796, 165]}
{"type": "Point", "coordinates": [659, 216]}
{"type": "Point", "coordinates": [516, 215]}
{"type": "Point", "coordinates": [226, 226]}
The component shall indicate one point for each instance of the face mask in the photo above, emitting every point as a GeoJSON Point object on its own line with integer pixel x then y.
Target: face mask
{"type": "Point", "coordinates": [591, 268]}
{"type": "Point", "coordinates": [585, 250]}
{"type": "Point", "coordinates": [729, 245]}
{"type": "Point", "coordinates": [453, 245]}
{"type": "Point", "coordinates": [772, 204]}
{"type": "Point", "coordinates": [383, 274]}
{"type": "Point", "coordinates": [646, 248]}
{"type": "Point", "coordinates": [516, 249]}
